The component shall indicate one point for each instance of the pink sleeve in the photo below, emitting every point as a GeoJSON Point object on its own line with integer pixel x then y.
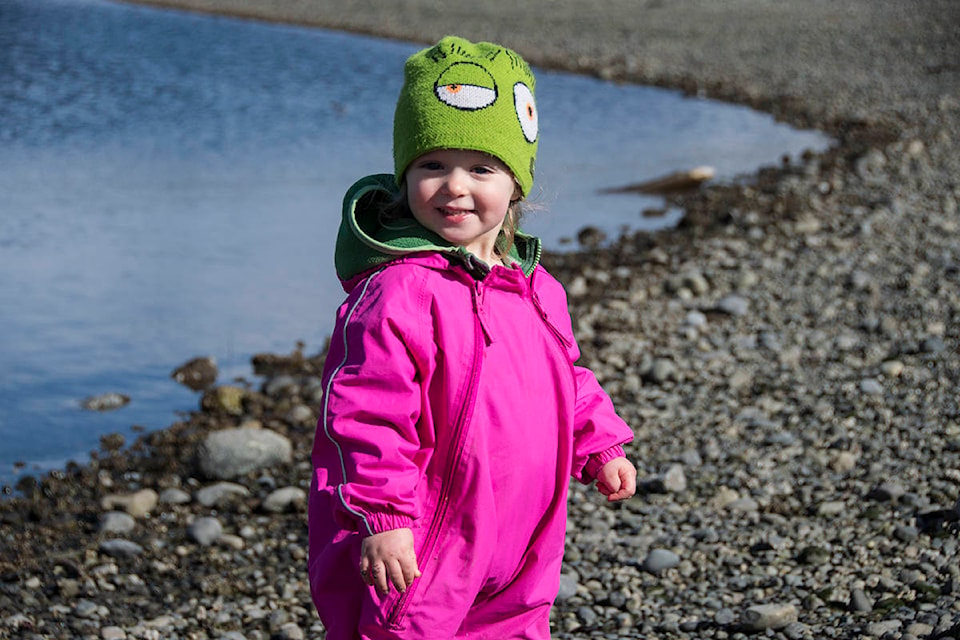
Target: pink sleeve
{"type": "Point", "coordinates": [599, 432]}
{"type": "Point", "coordinates": [367, 442]}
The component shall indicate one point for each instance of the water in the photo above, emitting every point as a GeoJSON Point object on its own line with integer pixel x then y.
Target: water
{"type": "Point", "coordinates": [170, 186]}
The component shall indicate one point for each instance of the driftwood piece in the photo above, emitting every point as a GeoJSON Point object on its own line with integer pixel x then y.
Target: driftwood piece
{"type": "Point", "coordinates": [670, 183]}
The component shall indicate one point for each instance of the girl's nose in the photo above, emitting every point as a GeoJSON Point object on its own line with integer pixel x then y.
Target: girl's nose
{"type": "Point", "coordinates": [456, 182]}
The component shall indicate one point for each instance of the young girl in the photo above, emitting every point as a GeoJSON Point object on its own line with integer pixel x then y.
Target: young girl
{"type": "Point", "coordinates": [453, 414]}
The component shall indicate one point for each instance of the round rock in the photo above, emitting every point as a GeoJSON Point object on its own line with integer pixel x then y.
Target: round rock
{"type": "Point", "coordinates": [230, 453]}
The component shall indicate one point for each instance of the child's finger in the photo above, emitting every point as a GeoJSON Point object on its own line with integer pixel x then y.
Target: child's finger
{"type": "Point", "coordinates": [365, 573]}
{"type": "Point", "coordinates": [410, 571]}
{"type": "Point", "coordinates": [395, 575]}
{"type": "Point", "coordinates": [379, 578]}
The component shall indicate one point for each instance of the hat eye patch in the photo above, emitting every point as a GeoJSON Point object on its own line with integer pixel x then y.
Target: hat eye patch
{"type": "Point", "coordinates": [466, 86]}
{"type": "Point", "coordinates": [526, 111]}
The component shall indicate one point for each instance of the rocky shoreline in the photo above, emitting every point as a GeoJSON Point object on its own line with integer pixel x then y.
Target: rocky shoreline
{"type": "Point", "coordinates": [789, 358]}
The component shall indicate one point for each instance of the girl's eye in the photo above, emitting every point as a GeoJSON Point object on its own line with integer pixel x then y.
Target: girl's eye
{"type": "Point", "coordinates": [431, 165]}
{"type": "Point", "coordinates": [526, 111]}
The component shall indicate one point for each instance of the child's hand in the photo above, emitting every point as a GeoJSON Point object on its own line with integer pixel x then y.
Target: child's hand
{"type": "Point", "coordinates": [388, 557]}
{"type": "Point", "coordinates": [617, 479]}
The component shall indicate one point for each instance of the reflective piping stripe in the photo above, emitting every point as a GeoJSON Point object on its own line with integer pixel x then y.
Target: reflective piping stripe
{"type": "Point", "coordinates": [326, 401]}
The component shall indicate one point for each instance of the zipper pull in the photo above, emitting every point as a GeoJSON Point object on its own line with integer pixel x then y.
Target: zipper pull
{"type": "Point", "coordinates": [478, 312]}
{"type": "Point", "coordinates": [546, 320]}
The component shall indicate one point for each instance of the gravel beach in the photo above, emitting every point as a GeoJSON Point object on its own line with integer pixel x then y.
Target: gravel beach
{"type": "Point", "coordinates": [789, 358]}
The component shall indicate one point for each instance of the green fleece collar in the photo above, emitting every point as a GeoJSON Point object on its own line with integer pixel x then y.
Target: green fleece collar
{"type": "Point", "coordinates": [365, 242]}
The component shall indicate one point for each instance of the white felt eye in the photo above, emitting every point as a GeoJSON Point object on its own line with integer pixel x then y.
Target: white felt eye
{"type": "Point", "coordinates": [526, 111]}
{"type": "Point", "coordinates": [466, 96]}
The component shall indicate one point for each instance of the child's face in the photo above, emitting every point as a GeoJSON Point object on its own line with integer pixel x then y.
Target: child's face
{"type": "Point", "coordinates": [462, 196]}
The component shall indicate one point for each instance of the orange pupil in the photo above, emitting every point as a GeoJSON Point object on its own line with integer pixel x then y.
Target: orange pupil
{"type": "Point", "coordinates": [454, 88]}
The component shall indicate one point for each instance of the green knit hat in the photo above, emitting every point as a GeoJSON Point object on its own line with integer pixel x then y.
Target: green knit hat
{"type": "Point", "coordinates": [463, 95]}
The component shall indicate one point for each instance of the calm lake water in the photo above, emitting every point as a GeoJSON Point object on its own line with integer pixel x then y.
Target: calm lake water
{"type": "Point", "coordinates": [170, 186]}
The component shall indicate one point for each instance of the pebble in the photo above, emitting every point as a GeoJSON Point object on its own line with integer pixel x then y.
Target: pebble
{"type": "Point", "coordinates": [221, 493]}
{"type": "Point", "coordinates": [205, 530]}
{"type": "Point", "coordinates": [880, 628]}
{"type": "Point", "coordinates": [225, 399]}
{"type": "Point", "coordinates": [733, 305]}
{"type": "Point", "coordinates": [117, 522]}
{"type": "Point", "coordinates": [768, 616]}
{"type": "Point", "coordinates": [174, 496]}
{"type": "Point", "coordinates": [887, 492]}
{"type": "Point", "coordinates": [230, 453]}
{"type": "Point", "coordinates": [137, 504]}
{"type": "Point", "coordinates": [860, 602]}
{"type": "Point", "coordinates": [568, 587]}
{"type": "Point", "coordinates": [106, 402]}
{"type": "Point", "coordinates": [113, 633]}
{"type": "Point", "coordinates": [285, 499]}
{"type": "Point", "coordinates": [119, 548]}
{"type": "Point", "coordinates": [196, 374]}
{"type": "Point", "coordinates": [871, 387]}
{"type": "Point", "coordinates": [660, 560]}
{"type": "Point", "coordinates": [725, 617]}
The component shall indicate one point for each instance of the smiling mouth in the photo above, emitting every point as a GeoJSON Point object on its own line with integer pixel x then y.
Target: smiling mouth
{"type": "Point", "coordinates": [454, 213]}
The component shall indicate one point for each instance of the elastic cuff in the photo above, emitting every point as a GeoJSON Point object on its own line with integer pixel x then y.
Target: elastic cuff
{"type": "Point", "coordinates": [599, 459]}
{"type": "Point", "coordinates": [380, 522]}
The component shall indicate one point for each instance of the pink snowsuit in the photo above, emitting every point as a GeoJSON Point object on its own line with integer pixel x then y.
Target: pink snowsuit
{"type": "Point", "coordinates": [452, 406]}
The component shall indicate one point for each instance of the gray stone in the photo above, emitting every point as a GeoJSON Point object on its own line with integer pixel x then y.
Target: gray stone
{"type": "Point", "coordinates": [871, 387]}
{"type": "Point", "coordinates": [113, 633]}
{"type": "Point", "coordinates": [859, 602]}
{"type": "Point", "coordinates": [660, 560]}
{"type": "Point", "coordinates": [933, 345]}
{"type": "Point", "coordinates": [674, 479]}
{"type": "Point", "coordinates": [117, 522]}
{"type": "Point", "coordinates": [890, 491]}
{"type": "Point", "coordinates": [301, 414]}
{"type": "Point", "coordinates": [587, 616]}
{"type": "Point", "coordinates": [86, 609]}
{"type": "Point", "coordinates": [290, 631]}
{"type": "Point", "coordinates": [906, 533]}
{"type": "Point", "coordinates": [882, 627]}
{"type": "Point", "coordinates": [281, 385]}
{"type": "Point", "coordinates": [568, 587]}
{"type": "Point", "coordinates": [205, 530]}
{"type": "Point", "coordinates": [795, 631]}
{"type": "Point", "coordinates": [768, 616]}
{"type": "Point", "coordinates": [663, 370]}
{"type": "Point", "coordinates": [725, 617]}
{"type": "Point", "coordinates": [221, 493]}
{"type": "Point", "coordinates": [695, 319]}
{"type": "Point", "coordinates": [174, 496]}
{"type": "Point", "coordinates": [230, 453]}
{"type": "Point", "coordinates": [733, 305]}
{"type": "Point", "coordinates": [106, 402]}
{"type": "Point", "coordinates": [119, 548]}
{"type": "Point", "coordinates": [285, 499]}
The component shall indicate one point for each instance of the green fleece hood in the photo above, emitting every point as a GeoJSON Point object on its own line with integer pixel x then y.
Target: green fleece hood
{"type": "Point", "coordinates": [365, 241]}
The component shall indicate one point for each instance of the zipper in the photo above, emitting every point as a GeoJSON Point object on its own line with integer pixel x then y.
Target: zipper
{"type": "Point", "coordinates": [395, 618]}
{"type": "Point", "coordinates": [546, 320]}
